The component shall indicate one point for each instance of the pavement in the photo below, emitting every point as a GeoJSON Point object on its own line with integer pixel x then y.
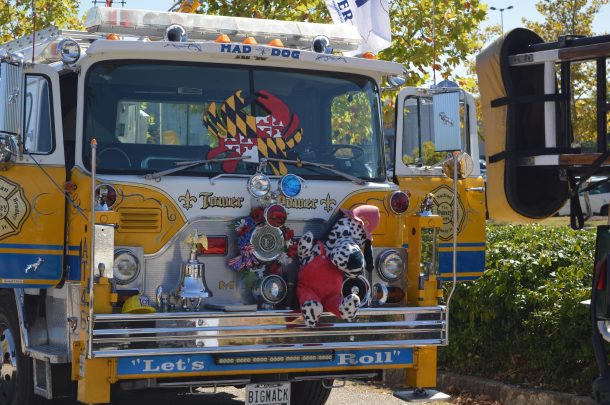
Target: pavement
{"type": "Point", "coordinates": [354, 393]}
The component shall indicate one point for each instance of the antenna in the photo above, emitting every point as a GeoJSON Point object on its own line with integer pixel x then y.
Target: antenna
{"type": "Point", "coordinates": [34, 29]}
{"type": "Point", "coordinates": [434, 41]}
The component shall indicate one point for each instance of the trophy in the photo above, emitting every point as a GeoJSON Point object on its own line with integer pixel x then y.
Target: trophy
{"type": "Point", "coordinates": [192, 279]}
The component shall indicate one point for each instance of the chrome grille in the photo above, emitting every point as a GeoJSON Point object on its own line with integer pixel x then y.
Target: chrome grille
{"type": "Point", "coordinates": [139, 220]}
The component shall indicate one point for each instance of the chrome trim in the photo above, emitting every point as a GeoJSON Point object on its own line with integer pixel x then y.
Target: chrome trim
{"type": "Point", "coordinates": [23, 330]}
{"type": "Point", "coordinates": [91, 257]}
{"type": "Point", "coordinates": [604, 329]}
{"type": "Point", "coordinates": [123, 335]}
{"type": "Point", "coordinates": [365, 376]}
{"type": "Point", "coordinates": [259, 314]}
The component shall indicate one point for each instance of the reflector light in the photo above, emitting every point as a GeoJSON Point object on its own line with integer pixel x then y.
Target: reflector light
{"type": "Point", "coordinates": [113, 37]}
{"type": "Point", "coordinates": [223, 39]}
{"type": "Point", "coordinates": [250, 41]}
{"type": "Point", "coordinates": [369, 55]}
{"type": "Point", "coordinates": [217, 245]}
{"type": "Point", "coordinates": [395, 295]}
{"type": "Point", "coordinates": [275, 215]}
{"type": "Point", "coordinates": [276, 42]}
{"type": "Point", "coordinates": [387, 295]}
{"type": "Point", "coordinates": [291, 185]}
{"type": "Point", "coordinates": [399, 202]}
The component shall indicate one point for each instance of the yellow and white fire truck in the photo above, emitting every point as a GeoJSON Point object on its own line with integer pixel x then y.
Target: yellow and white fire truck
{"type": "Point", "coordinates": [157, 173]}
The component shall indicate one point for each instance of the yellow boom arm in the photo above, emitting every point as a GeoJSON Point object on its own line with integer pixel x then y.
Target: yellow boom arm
{"type": "Point", "coordinates": [189, 6]}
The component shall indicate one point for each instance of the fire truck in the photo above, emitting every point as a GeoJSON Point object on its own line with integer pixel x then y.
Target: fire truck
{"type": "Point", "coordinates": [158, 170]}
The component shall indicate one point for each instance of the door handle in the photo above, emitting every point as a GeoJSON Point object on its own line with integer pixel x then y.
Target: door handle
{"type": "Point", "coordinates": [480, 189]}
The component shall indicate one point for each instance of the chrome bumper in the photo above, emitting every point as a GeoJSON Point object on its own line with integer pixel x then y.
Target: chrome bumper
{"type": "Point", "coordinates": [122, 335]}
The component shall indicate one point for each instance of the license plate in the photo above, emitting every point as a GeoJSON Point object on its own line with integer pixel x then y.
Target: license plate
{"type": "Point", "coordinates": [268, 394]}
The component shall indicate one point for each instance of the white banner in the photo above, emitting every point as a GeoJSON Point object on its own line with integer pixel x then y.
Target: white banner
{"type": "Point", "coordinates": [372, 18]}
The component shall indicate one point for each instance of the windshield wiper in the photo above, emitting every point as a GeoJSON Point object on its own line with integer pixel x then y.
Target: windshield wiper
{"type": "Point", "coordinates": [327, 167]}
{"type": "Point", "coordinates": [188, 165]}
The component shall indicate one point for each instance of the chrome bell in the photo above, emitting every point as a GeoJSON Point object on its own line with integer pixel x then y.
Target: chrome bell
{"type": "Point", "coordinates": [192, 279]}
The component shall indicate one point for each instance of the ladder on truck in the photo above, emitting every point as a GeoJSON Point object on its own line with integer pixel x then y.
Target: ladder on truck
{"type": "Point", "coordinates": [557, 58]}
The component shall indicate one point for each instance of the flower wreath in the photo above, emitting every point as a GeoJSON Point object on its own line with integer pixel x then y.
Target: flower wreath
{"type": "Point", "coordinates": [246, 259]}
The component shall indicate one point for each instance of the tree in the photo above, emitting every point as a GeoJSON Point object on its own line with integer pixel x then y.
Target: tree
{"type": "Point", "coordinates": [434, 34]}
{"type": "Point", "coordinates": [575, 17]}
{"type": "Point", "coordinates": [16, 16]}
{"type": "Point", "coordinates": [421, 29]}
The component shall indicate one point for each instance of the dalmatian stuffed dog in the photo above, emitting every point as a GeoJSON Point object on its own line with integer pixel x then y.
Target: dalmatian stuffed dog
{"type": "Point", "coordinates": [325, 263]}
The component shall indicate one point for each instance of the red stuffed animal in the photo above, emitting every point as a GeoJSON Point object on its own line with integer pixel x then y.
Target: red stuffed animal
{"type": "Point", "coordinates": [324, 265]}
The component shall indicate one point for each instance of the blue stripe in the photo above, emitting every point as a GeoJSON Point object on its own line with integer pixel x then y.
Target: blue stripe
{"type": "Point", "coordinates": [450, 244]}
{"type": "Point", "coordinates": [467, 262]}
{"type": "Point", "coordinates": [28, 246]}
{"type": "Point", "coordinates": [458, 278]}
{"type": "Point", "coordinates": [13, 265]}
{"type": "Point", "coordinates": [74, 248]}
{"type": "Point", "coordinates": [197, 363]}
{"type": "Point", "coordinates": [73, 268]}
{"type": "Point", "coordinates": [465, 244]}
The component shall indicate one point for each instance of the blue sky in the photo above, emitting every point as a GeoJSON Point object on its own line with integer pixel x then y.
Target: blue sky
{"type": "Point", "coordinates": [512, 18]}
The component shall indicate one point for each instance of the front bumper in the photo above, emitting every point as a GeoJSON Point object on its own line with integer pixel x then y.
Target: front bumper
{"type": "Point", "coordinates": [122, 335]}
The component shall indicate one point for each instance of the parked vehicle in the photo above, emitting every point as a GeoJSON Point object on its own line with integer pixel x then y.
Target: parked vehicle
{"type": "Point", "coordinates": [599, 198]}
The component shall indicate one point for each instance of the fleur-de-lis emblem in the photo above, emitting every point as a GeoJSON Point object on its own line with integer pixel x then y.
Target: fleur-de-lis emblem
{"type": "Point", "coordinates": [328, 203]}
{"type": "Point", "coordinates": [187, 200]}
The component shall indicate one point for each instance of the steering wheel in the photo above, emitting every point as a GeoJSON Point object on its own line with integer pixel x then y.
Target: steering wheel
{"type": "Point", "coordinates": [357, 151]}
{"type": "Point", "coordinates": [115, 149]}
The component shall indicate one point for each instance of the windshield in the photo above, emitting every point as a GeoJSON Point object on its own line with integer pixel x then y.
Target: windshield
{"type": "Point", "coordinates": [418, 142]}
{"type": "Point", "coordinates": [148, 116]}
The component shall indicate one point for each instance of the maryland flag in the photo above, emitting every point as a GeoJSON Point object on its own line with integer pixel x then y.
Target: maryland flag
{"type": "Point", "coordinates": [242, 134]}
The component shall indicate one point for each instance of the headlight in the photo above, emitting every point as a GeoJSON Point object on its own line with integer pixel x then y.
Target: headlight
{"type": "Point", "coordinates": [390, 265]}
{"type": "Point", "coordinates": [126, 266]}
{"type": "Point", "coordinates": [69, 51]}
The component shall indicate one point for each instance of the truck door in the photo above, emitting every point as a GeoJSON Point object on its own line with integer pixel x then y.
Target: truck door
{"type": "Point", "coordinates": [418, 171]}
{"type": "Point", "coordinates": [32, 205]}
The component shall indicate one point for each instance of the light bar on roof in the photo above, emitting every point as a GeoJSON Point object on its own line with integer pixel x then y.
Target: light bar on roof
{"type": "Point", "coordinates": [207, 27]}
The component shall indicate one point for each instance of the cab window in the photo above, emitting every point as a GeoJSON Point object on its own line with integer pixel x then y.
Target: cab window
{"type": "Point", "coordinates": [38, 120]}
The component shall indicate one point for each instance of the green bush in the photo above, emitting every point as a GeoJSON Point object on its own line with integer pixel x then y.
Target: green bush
{"type": "Point", "coordinates": [522, 321]}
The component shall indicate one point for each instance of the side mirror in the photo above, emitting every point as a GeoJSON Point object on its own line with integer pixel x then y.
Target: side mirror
{"type": "Point", "coordinates": [8, 151]}
{"type": "Point", "coordinates": [446, 121]}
